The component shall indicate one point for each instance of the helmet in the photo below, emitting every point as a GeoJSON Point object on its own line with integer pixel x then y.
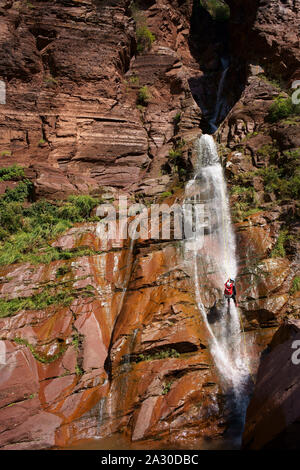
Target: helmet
{"type": "Point", "coordinates": [232, 280]}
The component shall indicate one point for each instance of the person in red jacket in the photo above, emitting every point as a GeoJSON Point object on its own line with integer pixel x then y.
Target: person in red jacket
{"type": "Point", "coordinates": [230, 291]}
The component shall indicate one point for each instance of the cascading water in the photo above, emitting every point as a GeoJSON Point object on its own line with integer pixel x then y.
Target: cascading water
{"type": "Point", "coordinates": [214, 260]}
{"type": "Point", "coordinates": [221, 100]}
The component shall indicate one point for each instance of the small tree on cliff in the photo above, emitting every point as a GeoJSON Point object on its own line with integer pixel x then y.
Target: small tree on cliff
{"type": "Point", "coordinates": [144, 36]}
{"type": "Point", "coordinates": [144, 96]}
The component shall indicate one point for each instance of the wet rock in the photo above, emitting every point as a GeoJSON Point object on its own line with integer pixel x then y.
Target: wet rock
{"type": "Point", "coordinates": [273, 414]}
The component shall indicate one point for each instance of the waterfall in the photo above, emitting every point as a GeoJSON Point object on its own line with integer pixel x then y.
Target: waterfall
{"type": "Point", "coordinates": [213, 261]}
{"type": "Point", "coordinates": [219, 101]}
{"type": "Point", "coordinates": [101, 411]}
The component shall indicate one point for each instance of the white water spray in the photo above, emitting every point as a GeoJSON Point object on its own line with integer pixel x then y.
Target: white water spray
{"type": "Point", "coordinates": [213, 264]}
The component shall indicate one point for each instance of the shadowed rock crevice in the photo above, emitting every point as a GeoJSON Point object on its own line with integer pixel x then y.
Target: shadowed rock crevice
{"type": "Point", "coordinates": [223, 76]}
{"type": "Point", "coordinates": [162, 352]}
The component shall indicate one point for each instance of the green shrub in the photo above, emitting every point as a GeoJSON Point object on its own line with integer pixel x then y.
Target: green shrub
{"type": "Point", "coordinates": [244, 178]}
{"type": "Point", "coordinates": [176, 162]}
{"type": "Point", "coordinates": [69, 212]}
{"type": "Point", "coordinates": [175, 154]}
{"type": "Point", "coordinates": [41, 142]}
{"type": "Point", "coordinates": [144, 38]}
{"type": "Point", "coordinates": [247, 193]}
{"type": "Point", "coordinates": [164, 354]}
{"type": "Point", "coordinates": [218, 9]}
{"type": "Point", "coordinates": [134, 79]}
{"type": "Point", "coordinates": [144, 96]}
{"type": "Point", "coordinates": [84, 204]}
{"type": "Point", "coordinates": [165, 194]}
{"type": "Point", "coordinates": [295, 285]}
{"type": "Point", "coordinates": [3, 233]}
{"type": "Point", "coordinates": [11, 216]}
{"type": "Point", "coordinates": [246, 202]}
{"type": "Point", "coordinates": [177, 118]}
{"type": "Point", "coordinates": [289, 161]}
{"type": "Point", "coordinates": [5, 153]}
{"type": "Point", "coordinates": [167, 387]}
{"type": "Point", "coordinates": [268, 151]}
{"type": "Point", "coordinates": [281, 108]}
{"type": "Point", "coordinates": [62, 270]}
{"type": "Point", "coordinates": [242, 210]}
{"type": "Point", "coordinates": [11, 173]}
{"type": "Point", "coordinates": [279, 249]}
{"type": "Point", "coordinates": [18, 194]}
{"type": "Point", "coordinates": [281, 181]}
{"type": "Point", "coordinates": [55, 294]}
{"type": "Point", "coordinates": [26, 231]}
{"type": "Point", "coordinates": [78, 370]}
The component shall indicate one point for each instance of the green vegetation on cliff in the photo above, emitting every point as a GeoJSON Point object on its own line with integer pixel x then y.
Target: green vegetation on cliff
{"type": "Point", "coordinates": [54, 294]}
{"type": "Point", "coordinates": [295, 285]}
{"type": "Point", "coordinates": [282, 107]}
{"type": "Point", "coordinates": [176, 162]}
{"type": "Point", "coordinates": [45, 359]}
{"type": "Point", "coordinates": [218, 9]}
{"type": "Point", "coordinates": [12, 173]}
{"type": "Point", "coordinates": [246, 203]}
{"type": "Point", "coordinates": [281, 178]}
{"type": "Point", "coordinates": [164, 354]}
{"type": "Point", "coordinates": [279, 248]}
{"type": "Point", "coordinates": [144, 96]}
{"type": "Point", "coordinates": [26, 229]}
{"type": "Point", "coordinates": [144, 36]}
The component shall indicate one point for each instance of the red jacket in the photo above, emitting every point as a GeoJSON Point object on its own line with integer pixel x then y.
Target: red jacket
{"type": "Point", "coordinates": [229, 289]}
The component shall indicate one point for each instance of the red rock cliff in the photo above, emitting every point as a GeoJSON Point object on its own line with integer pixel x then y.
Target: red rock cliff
{"type": "Point", "coordinates": [130, 351]}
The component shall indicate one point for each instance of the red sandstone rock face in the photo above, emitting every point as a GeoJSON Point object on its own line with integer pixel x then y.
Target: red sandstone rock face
{"type": "Point", "coordinates": [85, 371]}
{"type": "Point", "coordinates": [162, 314]}
{"type": "Point", "coordinates": [71, 119]}
{"type": "Point", "coordinates": [67, 389]}
{"type": "Point", "coordinates": [71, 112]}
{"type": "Point", "coordinates": [63, 372]}
{"type": "Point", "coordinates": [77, 371]}
{"type": "Point", "coordinates": [273, 414]}
{"type": "Point", "coordinates": [267, 32]}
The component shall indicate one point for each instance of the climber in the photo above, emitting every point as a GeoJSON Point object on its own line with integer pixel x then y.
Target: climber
{"type": "Point", "coordinates": [230, 291]}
